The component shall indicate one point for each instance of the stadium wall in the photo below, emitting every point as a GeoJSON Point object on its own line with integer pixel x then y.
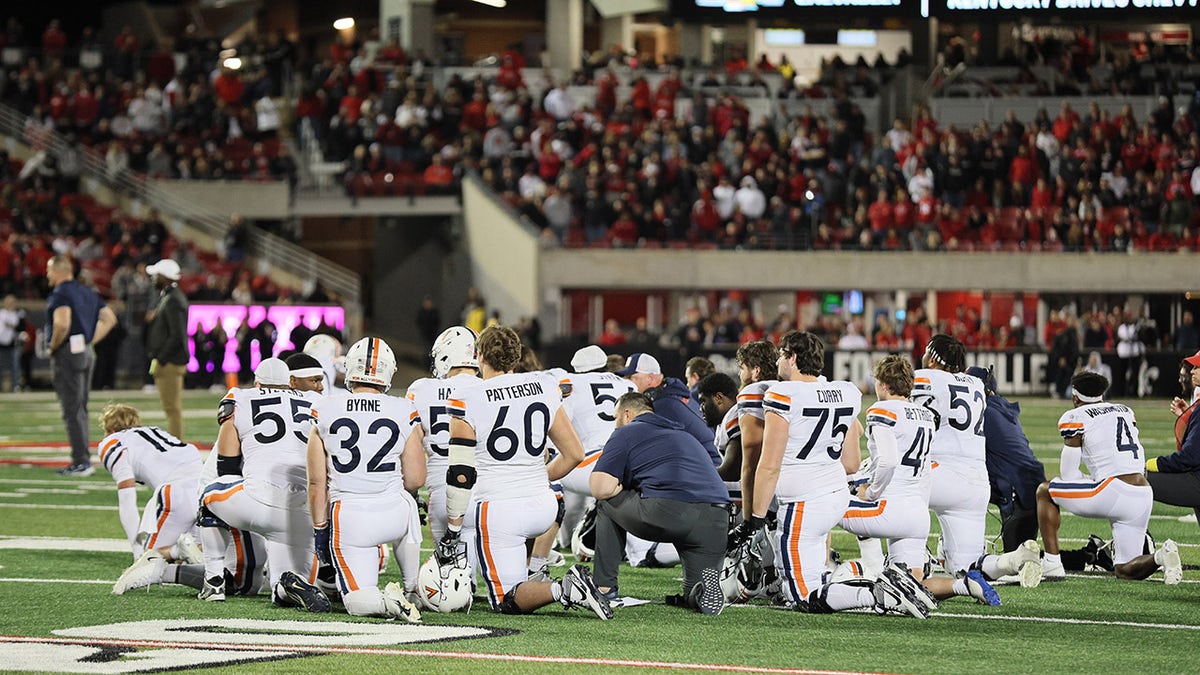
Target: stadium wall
{"type": "Point", "coordinates": [504, 253]}
{"type": "Point", "coordinates": [265, 200]}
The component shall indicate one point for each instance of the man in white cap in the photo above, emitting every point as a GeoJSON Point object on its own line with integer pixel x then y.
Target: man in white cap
{"type": "Point", "coordinates": [166, 342]}
{"type": "Point", "coordinates": [671, 397]}
{"type": "Point", "coordinates": [589, 398]}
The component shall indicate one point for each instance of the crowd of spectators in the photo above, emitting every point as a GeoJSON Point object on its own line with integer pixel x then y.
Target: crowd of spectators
{"type": "Point", "coordinates": [168, 110]}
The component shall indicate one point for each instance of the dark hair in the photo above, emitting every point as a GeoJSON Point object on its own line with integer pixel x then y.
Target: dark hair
{"type": "Point", "coordinates": [763, 355]}
{"type": "Point", "coordinates": [948, 352]}
{"type": "Point", "coordinates": [302, 361]}
{"type": "Point", "coordinates": [896, 373]}
{"type": "Point", "coordinates": [699, 366]}
{"type": "Point", "coordinates": [1090, 384]}
{"type": "Point", "coordinates": [808, 350]}
{"type": "Point", "coordinates": [634, 401]}
{"type": "Point", "coordinates": [529, 363]}
{"type": "Point", "coordinates": [717, 383]}
{"type": "Point", "coordinates": [500, 347]}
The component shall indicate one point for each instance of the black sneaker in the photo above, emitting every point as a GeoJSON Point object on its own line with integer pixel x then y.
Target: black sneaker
{"type": "Point", "coordinates": [711, 598]}
{"type": "Point", "coordinates": [213, 590]}
{"type": "Point", "coordinates": [300, 593]}
{"type": "Point", "coordinates": [77, 470]}
{"type": "Point", "coordinates": [1099, 552]}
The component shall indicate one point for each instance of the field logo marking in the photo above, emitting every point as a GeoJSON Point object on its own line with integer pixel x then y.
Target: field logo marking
{"type": "Point", "coordinates": [287, 633]}
{"type": "Point", "coordinates": [49, 657]}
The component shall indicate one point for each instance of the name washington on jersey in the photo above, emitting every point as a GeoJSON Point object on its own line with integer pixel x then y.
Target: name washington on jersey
{"type": "Point", "coordinates": [1096, 412]}
{"type": "Point", "coordinates": [514, 391]}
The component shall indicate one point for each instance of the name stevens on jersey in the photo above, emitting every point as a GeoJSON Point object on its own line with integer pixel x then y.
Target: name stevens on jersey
{"type": "Point", "coordinates": [362, 405]}
{"type": "Point", "coordinates": [829, 396]}
{"type": "Point", "coordinates": [919, 414]}
{"type": "Point", "coordinates": [514, 391]}
{"type": "Point", "coordinates": [1096, 412]}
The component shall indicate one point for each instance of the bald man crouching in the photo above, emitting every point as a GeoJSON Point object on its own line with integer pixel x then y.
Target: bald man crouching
{"type": "Point", "coordinates": [657, 482]}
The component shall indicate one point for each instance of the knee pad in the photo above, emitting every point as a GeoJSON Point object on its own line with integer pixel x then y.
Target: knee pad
{"type": "Point", "coordinates": [509, 604]}
{"type": "Point", "coordinates": [816, 603]}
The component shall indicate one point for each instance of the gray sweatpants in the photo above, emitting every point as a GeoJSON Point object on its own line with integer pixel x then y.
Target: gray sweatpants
{"type": "Point", "coordinates": [72, 375]}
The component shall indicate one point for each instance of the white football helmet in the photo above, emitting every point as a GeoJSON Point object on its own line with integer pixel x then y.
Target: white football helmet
{"type": "Point", "coordinates": [583, 538]}
{"type": "Point", "coordinates": [324, 348]}
{"type": "Point", "coordinates": [454, 348]}
{"type": "Point", "coordinates": [370, 361]}
{"type": "Point", "coordinates": [446, 588]}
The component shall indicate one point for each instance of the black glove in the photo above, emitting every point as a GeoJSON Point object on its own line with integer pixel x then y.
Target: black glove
{"type": "Point", "coordinates": [744, 531]}
{"type": "Point", "coordinates": [321, 537]}
{"type": "Point", "coordinates": [447, 548]}
{"type": "Point", "coordinates": [422, 509]}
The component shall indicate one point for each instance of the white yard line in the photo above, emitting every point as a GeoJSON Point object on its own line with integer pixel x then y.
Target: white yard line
{"type": "Point", "coordinates": [60, 507]}
{"type": "Point", "coordinates": [17, 580]}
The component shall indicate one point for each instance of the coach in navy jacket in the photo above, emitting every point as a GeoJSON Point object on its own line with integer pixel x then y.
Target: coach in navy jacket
{"type": "Point", "coordinates": [671, 398]}
{"type": "Point", "coordinates": [656, 482]}
{"type": "Point", "coordinates": [1176, 477]}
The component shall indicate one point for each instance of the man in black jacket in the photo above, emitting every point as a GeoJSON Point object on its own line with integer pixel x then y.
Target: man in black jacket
{"type": "Point", "coordinates": [166, 344]}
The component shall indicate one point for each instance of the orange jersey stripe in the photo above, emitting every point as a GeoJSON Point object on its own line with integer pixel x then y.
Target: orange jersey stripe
{"type": "Point", "coordinates": [222, 496]}
{"type": "Point", "coordinates": [162, 517]}
{"type": "Point", "coordinates": [455, 403]}
{"type": "Point", "coordinates": [1079, 494]}
{"type": "Point", "coordinates": [866, 513]}
{"type": "Point", "coordinates": [794, 550]}
{"type": "Point", "coordinates": [750, 397]}
{"type": "Point", "coordinates": [590, 459]}
{"type": "Point", "coordinates": [493, 576]}
{"type": "Point", "coordinates": [337, 551]}
{"type": "Point", "coordinates": [922, 380]}
{"type": "Point", "coordinates": [731, 424]}
{"type": "Point", "coordinates": [106, 447]}
{"type": "Point", "coordinates": [779, 397]}
{"type": "Point", "coordinates": [239, 569]}
{"type": "Point", "coordinates": [882, 412]}
{"type": "Point", "coordinates": [1071, 425]}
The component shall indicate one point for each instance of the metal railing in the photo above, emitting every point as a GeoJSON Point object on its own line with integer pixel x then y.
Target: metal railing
{"type": "Point", "coordinates": [275, 251]}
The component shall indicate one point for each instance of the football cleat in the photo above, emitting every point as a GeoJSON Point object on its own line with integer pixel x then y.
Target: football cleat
{"type": "Point", "coordinates": [1099, 553]}
{"type": "Point", "coordinates": [1025, 561]}
{"type": "Point", "coordinates": [299, 593]}
{"type": "Point", "coordinates": [542, 574]}
{"type": "Point", "coordinates": [578, 590]}
{"type": "Point", "coordinates": [555, 559]}
{"type": "Point", "coordinates": [145, 571]}
{"type": "Point", "coordinates": [890, 597]}
{"type": "Point", "coordinates": [711, 598]}
{"type": "Point", "coordinates": [904, 579]}
{"type": "Point", "coordinates": [980, 589]}
{"type": "Point", "coordinates": [327, 582]}
{"type": "Point", "coordinates": [213, 590]}
{"type": "Point", "coordinates": [1172, 566]}
{"type": "Point", "coordinates": [1053, 571]}
{"type": "Point", "coordinates": [398, 604]}
{"type": "Point", "coordinates": [189, 550]}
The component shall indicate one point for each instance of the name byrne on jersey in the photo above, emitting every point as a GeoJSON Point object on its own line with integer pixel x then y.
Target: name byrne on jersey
{"type": "Point", "coordinates": [514, 391]}
{"type": "Point", "coordinates": [362, 405]}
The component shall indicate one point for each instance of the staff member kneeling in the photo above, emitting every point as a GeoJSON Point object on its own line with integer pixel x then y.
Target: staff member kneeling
{"type": "Point", "coordinates": [657, 482]}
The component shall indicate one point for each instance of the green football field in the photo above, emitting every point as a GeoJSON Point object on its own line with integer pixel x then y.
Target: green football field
{"type": "Point", "coordinates": [61, 547]}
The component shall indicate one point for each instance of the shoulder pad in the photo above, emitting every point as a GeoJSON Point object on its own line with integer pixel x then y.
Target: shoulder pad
{"type": "Point", "coordinates": [225, 409]}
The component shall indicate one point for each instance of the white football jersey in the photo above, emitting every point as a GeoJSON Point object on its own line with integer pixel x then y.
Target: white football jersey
{"type": "Point", "coordinates": [958, 400]}
{"type": "Point", "coordinates": [729, 430]}
{"type": "Point", "coordinates": [914, 428]}
{"type": "Point", "coordinates": [750, 398]}
{"type": "Point", "coordinates": [273, 425]}
{"type": "Point", "coordinates": [589, 400]}
{"type": "Point", "coordinates": [364, 437]}
{"type": "Point", "coordinates": [150, 456]}
{"type": "Point", "coordinates": [1111, 445]}
{"type": "Point", "coordinates": [431, 397]}
{"type": "Point", "coordinates": [819, 415]}
{"type": "Point", "coordinates": [511, 415]}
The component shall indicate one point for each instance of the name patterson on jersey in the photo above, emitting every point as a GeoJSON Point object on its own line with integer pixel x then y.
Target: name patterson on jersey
{"type": "Point", "coordinates": [829, 396]}
{"type": "Point", "coordinates": [514, 391]}
{"type": "Point", "coordinates": [362, 405]}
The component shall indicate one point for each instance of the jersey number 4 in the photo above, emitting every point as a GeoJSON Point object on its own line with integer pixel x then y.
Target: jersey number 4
{"type": "Point", "coordinates": [1125, 442]}
{"type": "Point", "coordinates": [918, 451]}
